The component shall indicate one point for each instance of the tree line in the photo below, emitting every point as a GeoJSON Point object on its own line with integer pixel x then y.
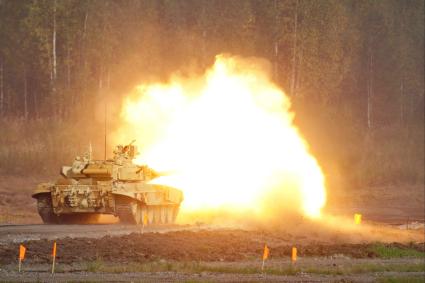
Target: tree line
{"type": "Point", "coordinates": [354, 70]}
{"type": "Point", "coordinates": [365, 58]}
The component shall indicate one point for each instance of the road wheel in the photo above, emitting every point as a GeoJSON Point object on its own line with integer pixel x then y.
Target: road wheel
{"type": "Point", "coordinates": [151, 219]}
{"type": "Point", "coordinates": [169, 214]}
{"type": "Point", "coordinates": [157, 214]}
{"type": "Point", "coordinates": [175, 209]}
{"type": "Point", "coordinates": [127, 210]}
{"type": "Point", "coordinates": [163, 213]}
{"type": "Point", "coordinates": [144, 214]}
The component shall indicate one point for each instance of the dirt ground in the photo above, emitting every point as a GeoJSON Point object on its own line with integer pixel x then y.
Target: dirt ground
{"type": "Point", "coordinates": [16, 204]}
{"type": "Point", "coordinates": [394, 204]}
{"type": "Point", "coordinates": [276, 270]}
{"type": "Point", "coordinates": [203, 245]}
{"type": "Point", "coordinates": [384, 204]}
{"type": "Point", "coordinates": [388, 245]}
{"type": "Point", "coordinates": [211, 256]}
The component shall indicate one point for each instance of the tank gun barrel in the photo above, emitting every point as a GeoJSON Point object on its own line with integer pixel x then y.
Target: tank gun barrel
{"type": "Point", "coordinates": [96, 171]}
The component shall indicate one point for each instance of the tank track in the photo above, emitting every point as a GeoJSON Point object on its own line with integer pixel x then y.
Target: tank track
{"type": "Point", "coordinates": [45, 209]}
{"type": "Point", "coordinates": [80, 218]}
{"type": "Point", "coordinates": [163, 214]}
{"type": "Point", "coordinates": [131, 212]}
{"type": "Point", "coordinates": [128, 210]}
{"type": "Point", "coordinates": [125, 210]}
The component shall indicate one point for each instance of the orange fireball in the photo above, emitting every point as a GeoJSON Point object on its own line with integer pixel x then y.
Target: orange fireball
{"type": "Point", "coordinates": [226, 139]}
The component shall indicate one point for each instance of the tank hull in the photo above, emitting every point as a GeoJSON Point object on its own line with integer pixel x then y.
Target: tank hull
{"type": "Point", "coordinates": [133, 203]}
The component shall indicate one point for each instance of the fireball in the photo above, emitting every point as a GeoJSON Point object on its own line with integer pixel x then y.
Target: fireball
{"type": "Point", "coordinates": [227, 139]}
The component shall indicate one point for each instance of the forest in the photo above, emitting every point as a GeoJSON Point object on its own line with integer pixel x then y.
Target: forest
{"type": "Point", "coordinates": [353, 69]}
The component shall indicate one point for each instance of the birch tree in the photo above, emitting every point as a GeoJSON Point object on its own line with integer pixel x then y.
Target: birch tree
{"type": "Point", "coordinates": [294, 49]}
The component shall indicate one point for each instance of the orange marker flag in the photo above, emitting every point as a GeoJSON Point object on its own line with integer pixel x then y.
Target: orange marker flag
{"type": "Point", "coordinates": [294, 254]}
{"type": "Point", "coordinates": [357, 218]}
{"type": "Point", "coordinates": [266, 252]}
{"type": "Point", "coordinates": [54, 250]}
{"type": "Point", "coordinates": [265, 255]}
{"type": "Point", "coordinates": [54, 257]}
{"type": "Point", "coordinates": [22, 250]}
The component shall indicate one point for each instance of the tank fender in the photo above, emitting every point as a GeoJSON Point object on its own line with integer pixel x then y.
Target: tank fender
{"type": "Point", "coordinates": [42, 188]}
{"type": "Point", "coordinates": [132, 195]}
{"type": "Point", "coordinates": [174, 195]}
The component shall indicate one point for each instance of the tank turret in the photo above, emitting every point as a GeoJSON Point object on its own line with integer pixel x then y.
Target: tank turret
{"type": "Point", "coordinates": [117, 186]}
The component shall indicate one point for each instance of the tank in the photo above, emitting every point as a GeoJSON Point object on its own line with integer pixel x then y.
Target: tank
{"type": "Point", "coordinates": [90, 188]}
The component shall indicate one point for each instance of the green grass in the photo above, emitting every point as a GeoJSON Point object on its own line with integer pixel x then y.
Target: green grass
{"type": "Point", "coordinates": [410, 279]}
{"type": "Point", "coordinates": [384, 251]}
{"type": "Point", "coordinates": [95, 266]}
{"type": "Point", "coordinates": [368, 268]}
{"type": "Point", "coordinates": [197, 267]}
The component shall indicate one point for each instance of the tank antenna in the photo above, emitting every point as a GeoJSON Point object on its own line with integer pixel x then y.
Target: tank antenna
{"type": "Point", "coordinates": [90, 151]}
{"type": "Point", "coordinates": [105, 131]}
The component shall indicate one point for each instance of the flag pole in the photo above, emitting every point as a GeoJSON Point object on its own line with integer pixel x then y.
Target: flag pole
{"type": "Point", "coordinates": [54, 257]}
{"type": "Point", "coordinates": [20, 263]}
{"type": "Point", "coordinates": [53, 265]}
{"type": "Point", "coordinates": [105, 117]}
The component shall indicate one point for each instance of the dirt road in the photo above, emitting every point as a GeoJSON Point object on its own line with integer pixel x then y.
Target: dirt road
{"type": "Point", "coordinates": [23, 233]}
{"type": "Point", "coordinates": [40, 274]}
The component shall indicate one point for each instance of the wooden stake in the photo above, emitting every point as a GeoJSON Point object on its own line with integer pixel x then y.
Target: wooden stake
{"type": "Point", "coordinates": [53, 265]}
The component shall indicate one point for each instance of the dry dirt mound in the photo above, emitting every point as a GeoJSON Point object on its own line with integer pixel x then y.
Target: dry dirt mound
{"type": "Point", "coordinates": [224, 245]}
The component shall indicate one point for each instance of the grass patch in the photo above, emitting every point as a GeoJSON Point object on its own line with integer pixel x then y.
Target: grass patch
{"type": "Point", "coordinates": [409, 279]}
{"type": "Point", "coordinates": [95, 266]}
{"type": "Point", "coordinates": [368, 268]}
{"type": "Point", "coordinates": [197, 267]}
{"type": "Point", "coordinates": [385, 251]}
